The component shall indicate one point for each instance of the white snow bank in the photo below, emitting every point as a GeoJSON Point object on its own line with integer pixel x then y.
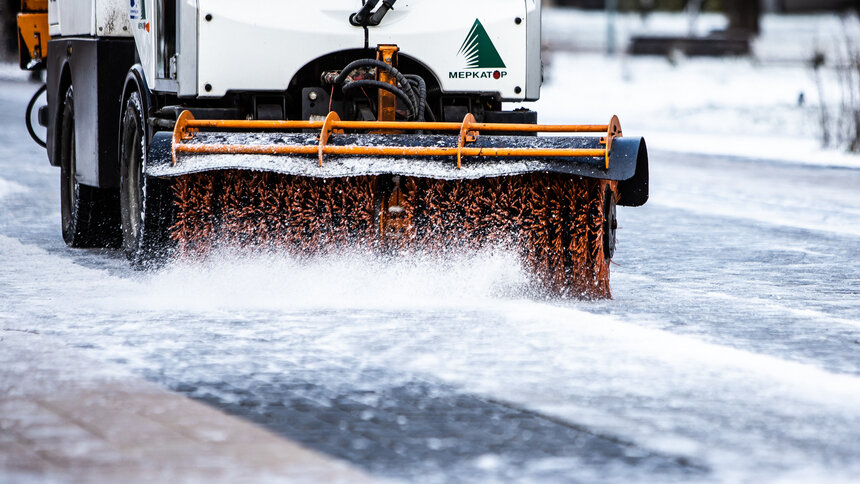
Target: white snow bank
{"type": "Point", "coordinates": [10, 188]}
{"type": "Point", "coordinates": [727, 107]}
{"type": "Point", "coordinates": [800, 150]}
{"type": "Point", "coordinates": [755, 190]}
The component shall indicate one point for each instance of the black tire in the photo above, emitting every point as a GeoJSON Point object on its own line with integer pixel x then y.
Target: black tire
{"type": "Point", "coordinates": [90, 216]}
{"type": "Point", "coordinates": [146, 203]}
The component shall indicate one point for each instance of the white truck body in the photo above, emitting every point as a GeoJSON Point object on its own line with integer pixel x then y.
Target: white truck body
{"type": "Point", "coordinates": [97, 18]}
{"type": "Point", "coordinates": [259, 45]}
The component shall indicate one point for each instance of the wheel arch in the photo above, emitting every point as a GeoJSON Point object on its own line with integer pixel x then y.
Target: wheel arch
{"type": "Point", "coordinates": [64, 81]}
{"type": "Point", "coordinates": [135, 80]}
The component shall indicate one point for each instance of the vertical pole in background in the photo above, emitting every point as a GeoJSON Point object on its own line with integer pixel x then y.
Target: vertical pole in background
{"type": "Point", "coordinates": [611, 14]}
{"type": "Point", "coordinates": [694, 7]}
{"type": "Point", "coordinates": [9, 29]}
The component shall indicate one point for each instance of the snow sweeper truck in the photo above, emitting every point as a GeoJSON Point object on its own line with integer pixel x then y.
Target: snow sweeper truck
{"type": "Point", "coordinates": [181, 126]}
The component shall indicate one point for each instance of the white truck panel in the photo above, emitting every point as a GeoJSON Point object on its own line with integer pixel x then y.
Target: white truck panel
{"type": "Point", "coordinates": [261, 44]}
{"type": "Point", "coordinates": [112, 18]}
{"type": "Point", "coordinates": [76, 17]}
{"type": "Point", "coordinates": [534, 62]}
{"type": "Point", "coordinates": [103, 18]}
{"type": "Point", "coordinates": [54, 18]}
{"type": "Point", "coordinates": [141, 15]}
{"type": "Point", "coordinates": [434, 31]}
{"type": "Point", "coordinates": [187, 65]}
{"type": "Point", "coordinates": [143, 20]}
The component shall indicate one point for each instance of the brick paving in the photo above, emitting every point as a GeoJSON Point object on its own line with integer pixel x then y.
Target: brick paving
{"type": "Point", "coordinates": [67, 418]}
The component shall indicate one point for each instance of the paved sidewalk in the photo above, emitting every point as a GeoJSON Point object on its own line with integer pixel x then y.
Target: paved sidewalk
{"type": "Point", "coordinates": [67, 418]}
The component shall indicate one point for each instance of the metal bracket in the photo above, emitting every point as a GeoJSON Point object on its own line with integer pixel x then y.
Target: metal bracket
{"type": "Point", "coordinates": [327, 131]}
{"type": "Point", "coordinates": [387, 102]}
{"type": "Point", "coordinates": [467, 135]}
{"type": "Point", "coordinates": [613, 131]}
{"type": "Point", "coordinates": [181, 132]}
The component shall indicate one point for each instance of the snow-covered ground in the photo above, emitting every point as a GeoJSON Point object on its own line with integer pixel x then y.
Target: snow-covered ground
{"type": "Point", "coordinates": [729, 354]}
{"type": "Point", "coordinates": [736, 106]}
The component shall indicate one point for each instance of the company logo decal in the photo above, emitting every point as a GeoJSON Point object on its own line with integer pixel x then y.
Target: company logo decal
{"type": "Point", "coordinates": [137, 9]}
{"type": "Point", "coordinates": [479, 51]}
{"type": "Point", "coordinates": [482, 59]}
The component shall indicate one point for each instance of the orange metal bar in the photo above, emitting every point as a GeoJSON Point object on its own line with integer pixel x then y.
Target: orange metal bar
{"type": "Point", "coordinates": [542, 128]}
{"type": "Point", "coordinates": [243, 124]}
{"type": "Point", "coordinates": [34, 5]}
{"type": "Point", "coordinates": [187, 126]}
{"type": "Point", "coordinates": [386, 150]}
{"type": "Point", "coordinates": [406, 126]}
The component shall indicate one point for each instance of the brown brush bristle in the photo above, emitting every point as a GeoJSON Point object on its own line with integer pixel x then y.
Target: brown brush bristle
{"type": "Point", "coordinates": [194, 229]}
{"type": "Point", "coordinates": [555, 222]}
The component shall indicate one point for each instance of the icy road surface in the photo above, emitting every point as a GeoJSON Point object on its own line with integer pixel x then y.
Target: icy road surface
{"type": "Point", "coordinates": [731, 352]}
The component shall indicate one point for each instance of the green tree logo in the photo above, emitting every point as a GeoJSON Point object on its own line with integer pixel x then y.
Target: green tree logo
{"type": "Point", "coordinates": [479, 51]}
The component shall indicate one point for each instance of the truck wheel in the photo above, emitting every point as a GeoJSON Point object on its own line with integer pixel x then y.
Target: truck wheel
{"type": "Point", "coordinates": [88, 213]}
{"type": "Point", "coordinates": [146, 203]}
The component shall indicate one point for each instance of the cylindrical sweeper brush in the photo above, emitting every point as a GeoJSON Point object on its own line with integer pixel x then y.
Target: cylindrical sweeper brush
{"type": "Point", "coordinates": [359, 185]}
{"type": "Point", "coordinates": [556, 223]}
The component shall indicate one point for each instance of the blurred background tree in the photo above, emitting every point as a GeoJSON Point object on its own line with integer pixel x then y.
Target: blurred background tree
{"type": "Point", "coordinates": [634, 5]}
{"type": "Point", "coordinates": [787, 6]}
{"type": "Point", "coordinates": [743, 16]}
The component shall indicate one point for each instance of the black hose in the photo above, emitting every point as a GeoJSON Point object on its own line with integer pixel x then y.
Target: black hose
{"type": "Point", "coordinates": [383, 85]}
{"type": "Point", "coordinates": [341, 78]}
{"type": "Point", "coordinates": [398, 76]}
{"type": "Point", "coordinates": [429, 111]}
{"type": "Point", "coordinates": [422, 93]}
{"type": "Point", "coordinates": [412, 95]}
{"type": "Point", "coordinates": [407, 84]}
{"type": "Point", "coordinates": [29, 122]}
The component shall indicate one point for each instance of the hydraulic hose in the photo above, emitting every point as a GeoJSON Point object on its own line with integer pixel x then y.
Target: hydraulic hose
{"type": "Point", "coordinates": [29, 116]}
{"type": "Point", "coordinates": [404, 89]}
{"type": "Point", "coordinates": [422, 93]}
{"type": "Point", "coordinates": [383, 85]}
{"type": "Point", "coordinates": [401, 79]}
{"type": "Point", "coordinates": [429, 111]}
